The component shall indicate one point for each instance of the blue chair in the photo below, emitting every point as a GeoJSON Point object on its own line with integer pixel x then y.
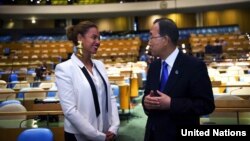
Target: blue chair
{"type": "Point", "coordinates": [31, 71]}
{"type": "Point", "coordinates": [12, 78]}
{"type": "Point", "coordinates": [3, 103]}
{"type": "Point", "coordinates": [52, 94]}
{"type": "Point", "coordinates": [36, 134]}
{"type": "Point", "coordinates": [116, 91]}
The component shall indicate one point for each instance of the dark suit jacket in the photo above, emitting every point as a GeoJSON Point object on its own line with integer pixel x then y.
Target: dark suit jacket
{"type": "Point", "coordinates": [191, 95]}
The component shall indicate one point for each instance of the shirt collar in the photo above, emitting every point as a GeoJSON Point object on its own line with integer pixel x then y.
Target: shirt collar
{"type": "Point", "coordinates": [171, 58]}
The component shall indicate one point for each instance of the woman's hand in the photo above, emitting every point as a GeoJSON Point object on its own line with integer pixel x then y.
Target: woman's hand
{"type": "Point", "coordinates": [110, 136]}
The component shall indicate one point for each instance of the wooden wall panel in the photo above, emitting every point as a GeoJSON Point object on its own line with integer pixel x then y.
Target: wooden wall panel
{"type": "Point", "coordinates": [227, 17]}
{"type": "Point", "coordinates": [121, 24]}
{"type": "Point", "coordinates": [112, 24]}
{"type": "Point", "coordinates": [39, 24]}
{"type": "Point", "coordinates": [182, 20]}
{"type": "Point", "coordinates": [211, 18]}
{"type": "Point", "coordinates": [145, 22]}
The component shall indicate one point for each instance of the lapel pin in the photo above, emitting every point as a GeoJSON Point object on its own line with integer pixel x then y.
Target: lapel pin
{"type": "Point", "coordinates": [176, 72]}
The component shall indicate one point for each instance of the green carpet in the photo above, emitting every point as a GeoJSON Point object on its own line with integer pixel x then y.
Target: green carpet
{"type": "Point", "coordinates": [132, 128]}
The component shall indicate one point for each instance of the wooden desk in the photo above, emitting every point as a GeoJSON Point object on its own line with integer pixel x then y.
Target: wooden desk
{"type": "Point", "coordinates": [32, 113]}
{"type": "Point", "coordinates": [117, 79]}
{"type": "Point", "coordinates": [244, 96]}
{"type": "Point", "coordinates": [232, 106]}
{"type": "Point", "coordinates": [222, 87]}
{"type": "Point", "coordinates": [31, 106]}
{"type": "Point", "coordinates": [16, 92]}
{"type": "Point", "coordinates": [230, 85]}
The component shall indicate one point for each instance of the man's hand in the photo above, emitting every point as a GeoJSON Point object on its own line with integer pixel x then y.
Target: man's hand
{"type": "Point", "coordinates": [164, 101]}
{"type": "Point", "coordinates": [160, 102]}
{"type": "Point", "coordinates": [151, 101]}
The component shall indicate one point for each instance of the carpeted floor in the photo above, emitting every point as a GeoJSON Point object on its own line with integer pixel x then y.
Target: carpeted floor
{"type": "Point", "coordinates": [132, 128]}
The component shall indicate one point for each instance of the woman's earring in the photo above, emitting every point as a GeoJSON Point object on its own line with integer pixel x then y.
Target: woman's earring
{"type": "Point", "coordinates": [79, 44]}
{"type": "Point", "coordinates": [79, 49]}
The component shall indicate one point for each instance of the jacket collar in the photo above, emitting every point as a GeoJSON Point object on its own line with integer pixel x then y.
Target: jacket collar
{"type": "Point", "coordinates": [78, 62]}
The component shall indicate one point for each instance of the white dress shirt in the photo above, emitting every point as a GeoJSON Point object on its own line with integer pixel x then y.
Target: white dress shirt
{"type": "Point", "coordinates": [171, 59]}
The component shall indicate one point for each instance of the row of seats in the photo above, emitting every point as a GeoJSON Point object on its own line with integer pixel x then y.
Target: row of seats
{"type": "Point", "coordinates": [229, 42]}
{"type": "Point", "coordinates": [26, 91]}
{"type": "Point", "coordinates": [54, 52]}
{"type": "Point", "coordinates": [29, 54]}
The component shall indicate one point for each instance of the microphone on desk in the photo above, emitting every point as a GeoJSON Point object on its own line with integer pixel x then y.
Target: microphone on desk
{"type": "Point", "coordinates": [34, 123]}
{"type": "Point", "coordinates": [234, 90]}
{"type": "Point", "coordinates": [21, 123]}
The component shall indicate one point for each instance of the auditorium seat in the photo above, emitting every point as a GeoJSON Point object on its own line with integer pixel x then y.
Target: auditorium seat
{"type": "Point", "coordinates": [3, 84]}
{"type": "Point", "coordinates": [12, 121]}
{"type": "Point", "coordinates": [9, 94]}
{"type": "Point", "coordinates": [33, 93]}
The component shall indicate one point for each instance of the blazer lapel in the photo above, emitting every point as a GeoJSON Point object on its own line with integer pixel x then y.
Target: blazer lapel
{"type": "Point", "coordinates": [175, 74]}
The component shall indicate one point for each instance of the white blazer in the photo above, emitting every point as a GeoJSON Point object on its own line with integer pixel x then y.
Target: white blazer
{"type": "Point", "coordinates": [77, 102]}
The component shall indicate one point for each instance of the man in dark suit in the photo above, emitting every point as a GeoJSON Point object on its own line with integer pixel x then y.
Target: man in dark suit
{"type": "Point", "coordinates": [187, 93]}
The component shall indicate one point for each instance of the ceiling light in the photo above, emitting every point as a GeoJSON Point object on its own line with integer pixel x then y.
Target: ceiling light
{"type": "Point", "coordinates": [183, 45]}
{"type": "Point", "coordinates": [33, 20]}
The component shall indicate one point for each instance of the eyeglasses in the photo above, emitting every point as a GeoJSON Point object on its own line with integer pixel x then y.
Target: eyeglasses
{"type": "Point", "coordinates": [150, 38]}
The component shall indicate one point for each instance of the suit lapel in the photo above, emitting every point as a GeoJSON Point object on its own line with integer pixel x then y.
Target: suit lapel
{"type": "Point", "coordinates": [175, 74]}
{"type": "Point", "coordinates": [156, 70]}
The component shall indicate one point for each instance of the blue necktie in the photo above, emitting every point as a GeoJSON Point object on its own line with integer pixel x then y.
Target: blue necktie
{"type": "Point", "coordinates": [164, 75]}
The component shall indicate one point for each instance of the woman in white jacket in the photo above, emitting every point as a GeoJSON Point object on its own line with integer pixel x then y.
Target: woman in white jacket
{"type": "Point", "coordinates": [87, 100]}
